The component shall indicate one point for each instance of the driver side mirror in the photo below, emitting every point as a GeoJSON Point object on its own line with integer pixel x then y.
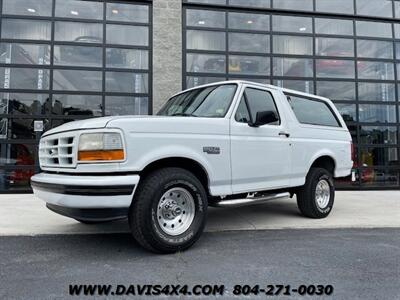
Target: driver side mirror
{"type": "Point", "coordinates": [264, 117]}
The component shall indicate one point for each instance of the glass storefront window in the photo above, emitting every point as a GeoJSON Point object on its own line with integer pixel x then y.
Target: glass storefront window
{"type": "Point", "coordinates": [15, 180]}
{"type": "Point", "coordinates": [78, 56]}
{"type": "Point", "coordinates": [297, 45]}
{"type": "Point", "coordinates": [374, 29]}
{"type": "Point", "coordinates": [384, 92]}
{"type": "Point", "coordinates": [379, 156]}
{"type": "Point", "coordinates": [77, 80]}
{"type": "Point", "coordinates": [334, 47]}
{"type": "Point", "coordinates": [17, 154]}
{"type": "Point", "coordinates": [127, 58]}
{"type": "Point", "coordinates": [293, 67]}
{"type": "Point", "coordinates": [348, 112]}
{"type": "Point", "coordinates": [79, 32]}
{"type": "Point", "coordinates": [118, 105]}
{"type": "Point", "coordinates": [376, 113]}
{"type": "Point", "coordinates": [26, 54]}
{"type": "Point", "coordinates": [253, 3]}
{"type": "Point", "coordinates": [127, 35]}
{"type": "Point", "coordinates": [374, 49]}
{"type": "Point", "coordinates": [248, 21]}
{"type": "Point", "coordinates": [192, 81]}
{"type": "Point", "coordinates": [378, 135]}
{"type": "Point", "coordinates": [297, 85]}
{"type": "Point", "coordinates": [77, 105]}
{"type": "Point", "coordinates": [127, 12]}
{"type": "Point", "coordinates": [27, 7]}
{"type": "Point", "coordinates": [334, 68]}
{"type": "Point", "coordinates": [372, 177]}
{"type": "Point", "coordinates": [79, 9]}
{"type": "Point", "coordinates": [336, 6]}
{"type": "Point", "coordinates": [21, 104]}
{"type": "Point", "coordinates": [25, 29]}
{"type": "Point", "coordinates": [207, 63]}
{"type": "Point", "coordinates": [292, 24]}
{"type": "Point", "coordinates": [205, 18]}
{"type": "Point", "coordinates": [126, 82]}
{"type": "Point", "coordinates": [378, 8]}
{"type": "Point", "coordinates": [337, 90]}
{"type": "Point", "coordinates": [375, 70]}
{"type": "Point", "coordinates": [294, 4]}
{"type": "Point", "coordinates": [249, 65]}
{"type": "Point", "coordinates": [333, 26]}
{"type": "Point", "coordinates": [24, 78]}
{"type": "Point", "coordinates": [249, 42]}
{"type": "Point", "coordinates": [205, 40]}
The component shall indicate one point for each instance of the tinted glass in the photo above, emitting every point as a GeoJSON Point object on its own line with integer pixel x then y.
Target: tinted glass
{"type": "Point", "coordinates": [337, 90]}
{"type": "Point", "coordinates": [379, 156]}
{"type": "Point", "coordinates": [205, 40]}
{"type": "Point", "coordinates": [79, 32]}
{"type": "Point", "coordinates": [256, 65]}
{"type": "Point", "coordinates": [24, 78]}
{"type": "Point", "coordinates": [27, 7]}
{"type": "Point", "coordinates": [374, 29]}
{"type": "Point", "coordinates": [127, 58]}
{"type": "Point", "coordinates": [78, 56]}
{"type": "Point", "coordinates": [211, 102]}
{"type": "Point", "coordinates": [126, 82]}
{"type": "Point", "coordinates": [18, 155]}
{"type": "Point", "coordinates": [294, 67]}
{"type": "Point", "coordinates": [207, 63]}
{"type": "Point", "coordinates": [205, 18]}
{"type": "Point", "coordinates": [248, 21]}
{"type": "Point", "coordinates": [374, 49]}
{"type": "Point", "coordinates": [377, 113]}
{"type": "Point", "coordinates": [376, 92]}
{"type": "Point", "coordinates": [25, 104]}
{"type": "Point", "coordinates": [335, 68]}
{"type": "Point", "coordinates": [127, 35]}
{"type": "Point", "coordinates": [333, 26]}
{"type": "Point", "coordinates": [383, 135]}
{"type": "Point", "coordinates": [28, 54]}
{"type": "Point", "coordinates": [375, 70]}
{"type": "Point", "coordinates": [125, 105]}
{"type": "Point", "coordinates": [313, 112]}
{"type": "Point", "coordinates": [380, 8]}
{"type": "Point", "coordinates": [348, 112]}
{"type": "Point", "coordinates": [336, 6]}
{"type": "Point", "coordinates": [246, 42]}
{"type": "Point", "coordinates": [260, 101]}
{"type": "Point", "coordinates": [291, 24]}
{"type": "Point", "coordinates": [79, 9]}
{"type": "Point", "coordinates": [77, 80]}
{"type": "Point", "coordinates": [300, 45]}
{"type": "Point", "coordinates": [127, 12]}
{"type": "Point", "coordinates": [25, 29]}
{"type": "Point", "coordinates": [334, 47]}
{"type": "Point", "coordinates": [294, 4]}
{"type": "Point", "coordinates": [77, 105]}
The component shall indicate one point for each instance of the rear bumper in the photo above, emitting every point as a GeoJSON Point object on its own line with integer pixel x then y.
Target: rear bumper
{"type": "Point", "coordinates": [85, 192]}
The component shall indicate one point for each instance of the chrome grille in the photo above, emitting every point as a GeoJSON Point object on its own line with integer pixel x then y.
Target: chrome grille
{"type": "Point", "coordinates": [58, 151]}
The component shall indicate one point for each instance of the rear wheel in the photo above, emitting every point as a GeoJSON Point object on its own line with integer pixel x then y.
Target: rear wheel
{"type": "Point", "coordinates": [169, 210]}
{"type": "Point", "coordinates": [315, 199]}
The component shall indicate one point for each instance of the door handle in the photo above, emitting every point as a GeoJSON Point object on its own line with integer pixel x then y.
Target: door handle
{"type": "Point", "coordinates": [287, 134]}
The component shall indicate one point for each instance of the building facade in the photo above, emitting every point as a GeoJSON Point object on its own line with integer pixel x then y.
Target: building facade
{"type": "Point", "coordinates": [66, 60]}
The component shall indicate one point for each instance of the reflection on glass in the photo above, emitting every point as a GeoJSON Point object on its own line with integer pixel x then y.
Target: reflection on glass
{"type": "Point", "coordinates": [375, 113]}
{"type": "Point", "coordinates": [378, 156]}
{"type": "Point", "coordinates": [334, 47]}
{"type": "Point", "coordinates": [219, 2]}
{"type": "Point", "coordinates": [335, 68]}
{"type": "Point", "coordinates": [24, 78]}
{"type": "Point", "coordinates": [25, 29]}
{"type": "Point", "coordinates": [29, 54]}
{"type": "Point", "coordinates": [249, 42]}
{"type": "Point", "coordinates": [333, 26]}
{"type": "Point", "coordinates": [378, 8]}
{"type": "Point", "coordinates": [291, 24]}
{"type": "Point", "coordinates": [24, 104]}
{"type": "Point", "coordinates": [126, 82]}
{"type": "Point", "coordinates": [27, 7]}
{"type": "Point", "coordinates": [254, 3]}
{"type": "Point", "coordinates": [128, 105]}
{"type": "Point", "coordinates": [127, 12]}
{"type": "Point", "coordinates": [336, 6]}
{"type": "Point", "coordinates": [205, 18]}
{"type": "Point", "coordinates": [295, 67]}
{"type": "Point", "coordinates": [79, 32]}
{"type": "Point", "coordinates": [376, 92]}
{"type": "Point", "coordinates": [77, 80]}
{"type": "Point", "coordinates": [337, 90]}
{"type": "Point", "coordinates": [17, 155]}
{"type": "Point", "coordinates": [374, 29]}
{"type": "Point", "coordinates": [127, 35]}
{"type": "Point", "coordinates": [375, 70]}
{"type": "Point", "coordinates": [380, 178]}
{"type": "Point", "coordinates": [294, 4]}
{"type": "Point", "coordinates": [78, 56]}
{"type": "Point", "coordinates": [249, 65]}
{"type": "Point", "coordinates": [23, 129]}
{"type": "Point", "coordinates": [16, 180]}
{"type": "Point", "coordinates": [374, 49]}
{"type": "Point", "coordinates": [79, 9]}
{"type": "Point", "coordinates": [383, 135]}
{"type": "Point", "coordinates": [207, 63]}
{"type": "Point", "coordinates": [127, 58]}
{"type": "Point", "coordinates": [248, 21]}
{"type": "Point", "coordinates": [300, 45]}
{"type": "Point", "coordinates": [77, 105]}
{"type": "Point", "coordinates": [205, 40]}
{"type": "Point", "coordinates": [192, 81]}
{"type": "Point", "coordinates": [297, 85]}
{"type": "Point", "coordinates": [348, 112]}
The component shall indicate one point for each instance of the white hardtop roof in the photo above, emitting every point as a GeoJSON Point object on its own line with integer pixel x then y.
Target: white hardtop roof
{"type": "Point", "coordinates": [289, 91]}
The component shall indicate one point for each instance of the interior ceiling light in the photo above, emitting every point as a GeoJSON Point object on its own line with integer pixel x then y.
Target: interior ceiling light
{"type": "Point", "coordinates": [249, 22]}
{"type": "Point", "coordinates": [115, 11]}
{"type": "Point", "coordinates": [74, 12]}
{"type": "Point", "coordinates": [302, 28]}
{"type": "Point", "coordinates": [202, 22]}
{"type": "Point", "coordinates": [32, 10]}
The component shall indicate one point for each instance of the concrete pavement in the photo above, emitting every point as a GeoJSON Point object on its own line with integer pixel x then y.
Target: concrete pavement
{"type": "Point", "coordinates": [25, 215]}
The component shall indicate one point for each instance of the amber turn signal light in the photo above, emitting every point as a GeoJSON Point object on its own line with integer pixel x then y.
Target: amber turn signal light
{"type": "Point", "coordinates": [99, 155]}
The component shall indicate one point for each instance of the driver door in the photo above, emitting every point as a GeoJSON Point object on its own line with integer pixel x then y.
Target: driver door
{"type": "Point", "coordinates": [260, 156]}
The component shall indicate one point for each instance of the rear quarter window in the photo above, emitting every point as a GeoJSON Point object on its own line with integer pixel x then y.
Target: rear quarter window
{"type": "Point", "coordinates": [313, 111]}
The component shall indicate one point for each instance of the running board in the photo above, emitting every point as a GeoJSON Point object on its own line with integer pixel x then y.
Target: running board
{"type": "Point", "coordinates": [249, 200]}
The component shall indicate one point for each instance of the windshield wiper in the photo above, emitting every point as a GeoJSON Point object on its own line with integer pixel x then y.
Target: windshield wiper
{"type": "Point", "coordinates": [183, 115]}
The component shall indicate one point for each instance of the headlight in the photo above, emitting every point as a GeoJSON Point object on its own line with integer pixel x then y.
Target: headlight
{"type": "Point", "coordinates": [104, 146]}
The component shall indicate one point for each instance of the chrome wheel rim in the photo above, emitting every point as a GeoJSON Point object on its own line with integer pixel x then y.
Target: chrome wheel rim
{"type": "Point", "coordinates": [175, 211]}
{"type": "Point", "coordinates": [323, 193]}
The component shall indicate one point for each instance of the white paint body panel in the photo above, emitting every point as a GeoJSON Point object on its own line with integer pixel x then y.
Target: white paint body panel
{"type": "Point", "coordinates": [250, 159]}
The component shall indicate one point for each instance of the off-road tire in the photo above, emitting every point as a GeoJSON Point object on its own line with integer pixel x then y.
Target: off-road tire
{"type": "Point", "coordinates": [143, 221]}
{"type": "Point", "coordinates": [306, 195]}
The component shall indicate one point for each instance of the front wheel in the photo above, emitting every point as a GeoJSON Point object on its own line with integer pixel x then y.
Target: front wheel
{"type": "Point", "coordinates": [169, 210]}
{"type": "Point", "coordinates": [315, 199]}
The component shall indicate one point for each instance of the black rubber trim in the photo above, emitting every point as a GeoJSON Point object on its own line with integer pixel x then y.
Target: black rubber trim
{"type": "Point", "coordinates": [90, 214]}
{"type": "Point", "coordinates": [91, 173]}
{"type": "Point", "coordinates": [117, 190]}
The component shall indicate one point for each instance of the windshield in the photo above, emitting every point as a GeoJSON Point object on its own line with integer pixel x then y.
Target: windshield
{"type": "Point", "coordinates": [210, 102]}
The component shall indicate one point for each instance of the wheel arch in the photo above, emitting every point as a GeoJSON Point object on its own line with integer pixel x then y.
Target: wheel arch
{"type": "Point", "coordinates": [326, 162]}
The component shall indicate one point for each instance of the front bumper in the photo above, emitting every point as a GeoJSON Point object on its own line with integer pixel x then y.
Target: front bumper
{"type": "Point", "coordinates": [85, 192]}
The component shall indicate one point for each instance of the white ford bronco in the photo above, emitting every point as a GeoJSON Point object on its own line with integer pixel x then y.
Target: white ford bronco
{"type": "Point", "coordinates": [225, 144]}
